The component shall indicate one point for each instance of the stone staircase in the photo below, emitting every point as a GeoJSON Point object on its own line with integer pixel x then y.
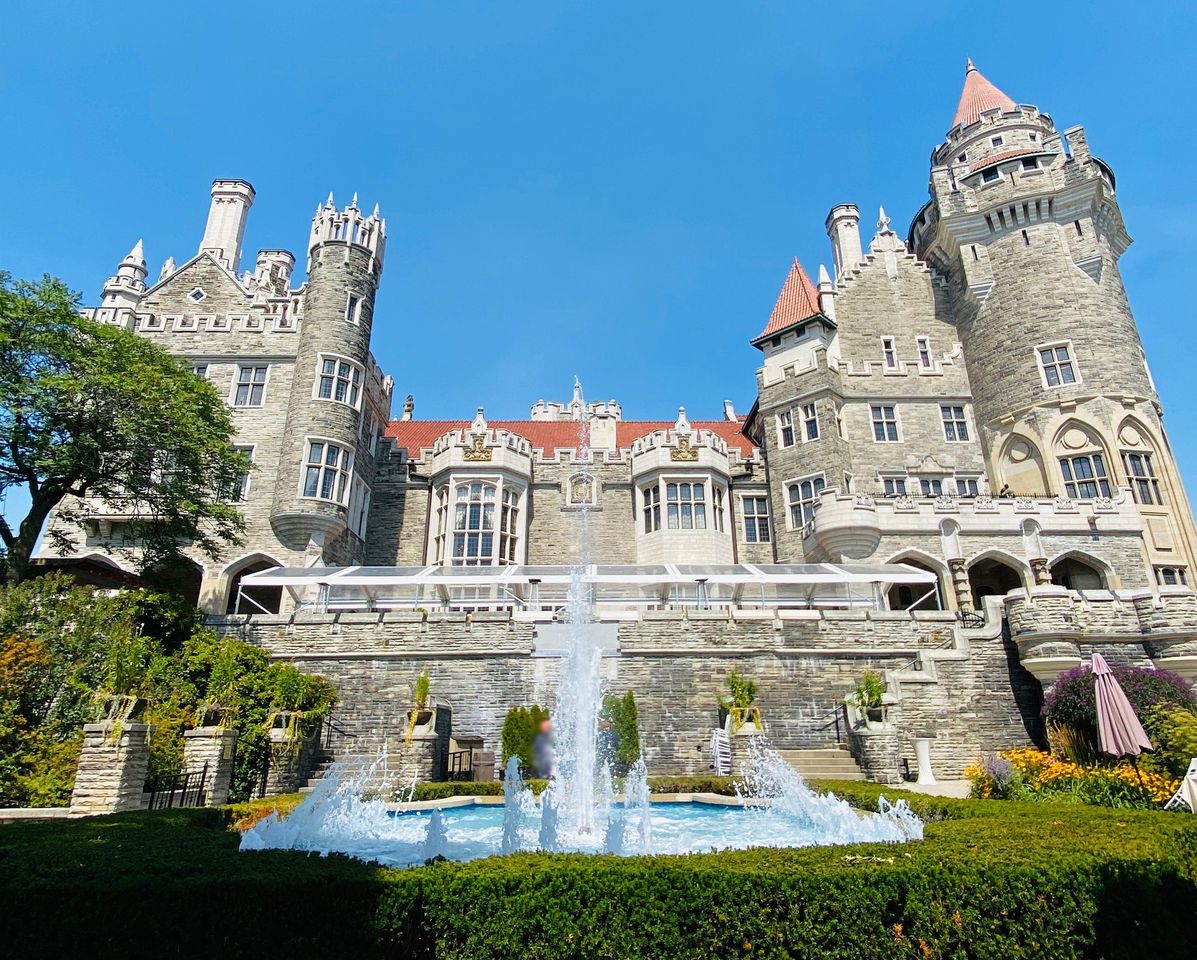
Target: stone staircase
{"type": "Point", "coordinates": [323, 762]}
{"type": "Point", "coordinates": [825, 763]}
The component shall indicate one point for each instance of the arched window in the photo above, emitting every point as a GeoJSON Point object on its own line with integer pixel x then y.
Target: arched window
{"type": "Point", "coordinates": [1083, 465]}
{"type": "Point", "coordinates": [1137, 461]}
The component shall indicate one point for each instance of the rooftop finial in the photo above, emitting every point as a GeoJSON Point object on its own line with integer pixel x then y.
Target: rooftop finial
{"type": "Point", "coordinates": [377, 213]}
{"type": "Point", "coordinates": [329, 201]}
{"type": "Point", "coordinates": [883, 221]}
{"type": "Point", "coordinates": [969, 65]}
{"type": "Point", "coordinates": [353, 202]}
{"type": "Point", "coordinates": [137, 253]}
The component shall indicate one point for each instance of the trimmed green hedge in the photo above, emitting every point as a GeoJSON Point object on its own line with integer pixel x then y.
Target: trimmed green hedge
{"type": "Point", "coordinates": [991, 879]}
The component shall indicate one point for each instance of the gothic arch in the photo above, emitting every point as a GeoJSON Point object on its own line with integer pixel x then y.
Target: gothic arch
{"type": "Point", "coordinates": [1078, 570]}
{"type": "Point", "coordinates": [107, 560]}
{"type": "Point", "coordinates": [995, 573]}
{"type": "Point", "coordinates": [252, 599]}
{"type": "Point", "coordinates": [1075, 440]}
{"type": "Point", "coordinates": [898, 593]}
{"type": "Point", "coordinates": [180, 575]}
{"type": "Point", "coordinates": [1021, 470]}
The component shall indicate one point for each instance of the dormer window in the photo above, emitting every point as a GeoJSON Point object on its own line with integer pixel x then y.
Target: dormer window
{"type": "Point", "coordinates": [990, 175]}
{"type": "Point", "coordinates": [197, 295]}
{"type": "Point", "coordinates": [1030, 163]}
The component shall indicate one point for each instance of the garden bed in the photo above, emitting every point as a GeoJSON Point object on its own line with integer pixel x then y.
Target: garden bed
{"type": "Point", "coordinates": [991, 878]}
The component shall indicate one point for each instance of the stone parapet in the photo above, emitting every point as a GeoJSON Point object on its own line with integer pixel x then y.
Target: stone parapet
{"type": "Point", "coordinates": [213, 748]}
{"type": "Point", "coordinates": [112, 768]}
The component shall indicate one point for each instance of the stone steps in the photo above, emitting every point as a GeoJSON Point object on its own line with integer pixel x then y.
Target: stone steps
{"type": "Point", "coordinates": [318, 773]}
{"type": "Point", "coordinates": [824, 763]}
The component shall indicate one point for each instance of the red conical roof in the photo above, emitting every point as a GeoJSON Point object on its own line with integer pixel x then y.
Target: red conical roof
{"type": "Point", "coordinates": [798, 301]}
{"type": "Point", "coordinates": [978, 96]}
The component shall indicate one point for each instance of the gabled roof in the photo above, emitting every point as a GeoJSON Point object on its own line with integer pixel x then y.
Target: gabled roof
{"type": "Point", "coordinates": [551, 435]}
{"type": "Point", "coordinates": [798, 301]}
{"type": "Point", "coordinates": [978, 96]}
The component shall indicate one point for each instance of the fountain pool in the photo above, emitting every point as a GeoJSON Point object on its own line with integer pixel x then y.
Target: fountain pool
{"type": "Point", "coordinates": [578, 812]}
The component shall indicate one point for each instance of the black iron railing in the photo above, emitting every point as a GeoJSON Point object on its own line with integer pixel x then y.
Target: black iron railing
{"type": "Point", "coordinates": [971, 619]}
{"type": "Point", "coordinates": [836, 717]}
{"type": "Point", "coordinates": [178, 790]}
{"type": "Point", "coordinates": [460, 765]}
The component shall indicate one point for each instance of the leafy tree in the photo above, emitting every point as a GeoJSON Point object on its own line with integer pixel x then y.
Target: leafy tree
{"type": "Point", "coordinates": [624, 732]}
{"type": "Point", "coordinates": [92, 412]}
{"type": "Point", "coordinates": [520, 727]}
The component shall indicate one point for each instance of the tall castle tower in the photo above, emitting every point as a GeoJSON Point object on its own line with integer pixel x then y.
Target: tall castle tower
{"type": "Point", "coordinates": [326, 442]}
{"type": "Point", "coordinates": [1025, 227]}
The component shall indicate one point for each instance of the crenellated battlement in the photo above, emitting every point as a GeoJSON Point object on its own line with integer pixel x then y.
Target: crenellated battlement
{"type": "Point", "coordinates": [348, 226]}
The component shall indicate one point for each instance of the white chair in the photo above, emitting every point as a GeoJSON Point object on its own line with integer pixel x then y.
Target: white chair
{"type": "Point", "coordinates": [1186, 793]}
{"type": "Point", "coordinates": [721, 755]}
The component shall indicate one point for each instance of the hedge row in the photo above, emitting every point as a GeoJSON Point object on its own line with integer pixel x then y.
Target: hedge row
{"type": "Point", "coordinates": [991, 879]}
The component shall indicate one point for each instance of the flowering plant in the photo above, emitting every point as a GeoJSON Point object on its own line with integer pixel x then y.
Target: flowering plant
{"type": "Point", "coordinates": [1030, 774]}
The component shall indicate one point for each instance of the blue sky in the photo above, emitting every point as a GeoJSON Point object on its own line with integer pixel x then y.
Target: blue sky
{"type": "Point", "coordinates": [609, 189]}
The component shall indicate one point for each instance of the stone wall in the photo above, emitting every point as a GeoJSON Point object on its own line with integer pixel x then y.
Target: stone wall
{"type": "Point", "coordinates": [975, 695]}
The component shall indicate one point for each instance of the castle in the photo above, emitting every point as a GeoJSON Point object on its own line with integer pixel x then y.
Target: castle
{"type": "Point", "coordinates": [957, 414]}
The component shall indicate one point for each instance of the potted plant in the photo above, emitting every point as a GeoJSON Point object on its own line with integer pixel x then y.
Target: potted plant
{"type": "Point", "coordinates": [738, 712]}
{"type": "Point", "coordinates": [868, 696]}
{"type": "Point", "coordinates": [420, 715]}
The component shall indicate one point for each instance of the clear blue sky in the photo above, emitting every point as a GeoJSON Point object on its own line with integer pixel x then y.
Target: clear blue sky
{"type": "Point", "coordinates": [609, 189]}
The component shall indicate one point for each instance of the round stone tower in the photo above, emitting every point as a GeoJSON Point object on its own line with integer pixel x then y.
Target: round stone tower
{"type": "Point", "coordinates": [325, 449]}
{"type": "Point", "coordinates": [1025, 228]}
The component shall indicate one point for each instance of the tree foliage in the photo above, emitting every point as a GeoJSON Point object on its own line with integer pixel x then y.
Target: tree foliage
{"type": "Point", "coordinates": [63, 648]}
{"type": "Point", "coordinates": [520, 727]}
{"type": "Point", "coordinates": [91, 412]}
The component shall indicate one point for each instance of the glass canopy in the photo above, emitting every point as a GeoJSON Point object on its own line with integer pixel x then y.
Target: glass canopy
{"type": "Point", "coordinates": [615, 587]}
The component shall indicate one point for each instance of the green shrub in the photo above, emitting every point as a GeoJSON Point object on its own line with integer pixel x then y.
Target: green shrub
{"type": "Point", "coordinates": [1072, 700]}
{"type": "Point", "coordinates": [623, 746]}
{"type": "Point", "coordinates": [868, 692]}
{"type": "Point", "coordinates": [520, 728]}
{"type": "Point", "coordinates": [991, 879]}
{"type": "Point", "coordinates": [1173, 732]}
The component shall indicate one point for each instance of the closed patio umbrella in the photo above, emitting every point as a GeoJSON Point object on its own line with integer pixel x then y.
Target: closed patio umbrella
{"type": "Point", "coordinates": [1119, 732]}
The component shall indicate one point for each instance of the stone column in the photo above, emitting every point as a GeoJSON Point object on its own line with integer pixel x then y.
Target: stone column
{"type": "Point", "coordinates": [212, 746]}
{"type": "Point", "coordinates": [878, 751]}
{"type": "Point", "coordinates": [282, 776]}
{"type": "Point", "coordinates": [422, 759]}
{"type": "Point", "coordinates": [112, 768]}
{"type": "Point", "coordinates": [964, 595]}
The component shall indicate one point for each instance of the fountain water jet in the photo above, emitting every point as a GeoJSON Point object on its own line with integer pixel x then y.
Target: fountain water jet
{"type": "Point", "coordinates": [578, 810]}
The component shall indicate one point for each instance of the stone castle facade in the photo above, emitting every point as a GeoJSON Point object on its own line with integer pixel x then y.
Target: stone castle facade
{"type": "Point", "coordinates": [971, 399]}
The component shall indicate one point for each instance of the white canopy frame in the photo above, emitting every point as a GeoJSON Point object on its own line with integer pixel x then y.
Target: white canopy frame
{"type": "Point", "coordinates": [625, 587]}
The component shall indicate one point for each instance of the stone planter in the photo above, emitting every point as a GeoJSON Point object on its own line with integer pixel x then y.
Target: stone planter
{"type": "Point", "coordinates": [744, 722]}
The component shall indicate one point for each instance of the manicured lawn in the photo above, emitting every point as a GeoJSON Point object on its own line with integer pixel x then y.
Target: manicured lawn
{"type": "Point", "coordinates": [991, 879]}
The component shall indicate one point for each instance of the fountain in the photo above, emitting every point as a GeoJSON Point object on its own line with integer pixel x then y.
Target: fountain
{"type": "Point", "coordinates": [579, 810]}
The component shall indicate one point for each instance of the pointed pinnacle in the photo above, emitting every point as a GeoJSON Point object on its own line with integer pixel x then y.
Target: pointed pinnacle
{"type": "Point", "coordinates": [353, 202]}
{"type": "Point", "coordinates": [376, 214]}
{"type": "Point", "coordinates": [969, 65]}
{"type": "Point", "coordinates": [882, 219]}
{"type": "Point", "coordinates": [823, 275]}
{"type": "Point", "coordinates": [137, 253]}
{"type": "Point", "coordinates": [329, 202]}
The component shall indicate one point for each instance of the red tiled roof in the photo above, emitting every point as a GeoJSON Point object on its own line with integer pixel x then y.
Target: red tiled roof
{"type": "Point", "coordinates": [999, 157]}
{"type": "Point", "coordinates": [798, 301]}
{"type": "Point", "coordinates": [978, 96]}
{"type": "Point", "coordinates": [550, 435]}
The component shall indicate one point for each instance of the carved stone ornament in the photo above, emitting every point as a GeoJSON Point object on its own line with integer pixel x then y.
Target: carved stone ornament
{"type": "Point", "coordinates": [683, 450]}
{"type": "Point", "coordinates": [477, 451]}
